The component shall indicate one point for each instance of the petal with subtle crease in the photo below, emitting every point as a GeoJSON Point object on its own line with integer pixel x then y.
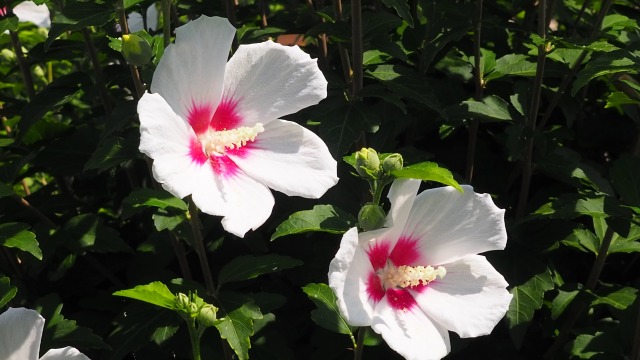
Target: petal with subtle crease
{"type": "Point", "coordinates": [165, 138]}
{"type": "Point", "coordinates": [192, 69]}
{"type": "Point", "coordinates": [68, 353]}
{"type": "Point", "coordinates": [471, 298]}
{"type": "Point", "coordinates": [20, 334]}
{"type": "Point", "coordinates": [291, 159]}
{"type": "Point", "coordinates": [37, 14]}
{"type": "Point", "coordinates": [348, 273]}
{"type": "Point", "coordinates": [245, 203]}
{"type": "Point", "coordinates": [269, 80]}
{"type": "Point", "coordinates": [451, 225]}
{"type": "Point", "coordinates": [411, 333]}
{"type": "Point", "coordinates": [402, 194]}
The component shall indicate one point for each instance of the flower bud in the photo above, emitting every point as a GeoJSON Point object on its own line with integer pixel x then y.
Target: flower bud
{"type": "Point", "coordinates": [371, 217]}
{"type": "Point", "coordinates": [136, 50]}
{"type": "Point", "coordinates": [392, 162]}
{"type": "Point", "coordinates": [182, 301]}
{"type": "Point", "coordinates": [367, 163]}
{"type": "Point", "coordinates": [207, 315]}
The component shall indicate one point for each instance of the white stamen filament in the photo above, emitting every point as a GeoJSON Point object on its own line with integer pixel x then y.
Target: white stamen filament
{"type": "Point", "coordinates": [409, 276]}
{"type": "Point", "coordinates": [217, 142]}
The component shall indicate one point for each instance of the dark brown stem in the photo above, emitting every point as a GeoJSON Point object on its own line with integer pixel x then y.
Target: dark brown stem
{"type": "Point", "coordinates": [478, 77]}
{"type": "Point", "coordinates": [35, 212]}
{"type": "Point", "coordinates": [97, 68]}
{"type": "Point", "coordinates": [27, 79]}
{"type": "Point", "coordinates": [263, 13]}
{"type": "Point", "coordinates": [356, 48]}
{"type": "Point", "coordinates": [198, 245]}
{"type": "Point", "coordinates": [532, 114]}
{"type": "Point", "coordinates": [181, 255]}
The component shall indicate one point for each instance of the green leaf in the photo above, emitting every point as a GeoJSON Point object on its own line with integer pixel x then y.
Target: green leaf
{"type": "Point", "coordinates": [114, 151]}
{"type": "Point", "coordinates": [9, 23]}
{"type": "Point", "coordinates": [625, 176]}
{"type": "Point", "coordinates": [606, 64]}
{"type": "Point", "coordinates": [155, 293]}
{"type": "Point", "coordinates": [237, 327]}
{"type": "Point", "coordinates": [491, 108]}
{"type": "Point", "coordinates": [249, 267]}
{"type": "Point", "coordinates": [323, 218]}
{"type": "Point", "coordinates": [583, 240]}
{"type": "Point", "coordinates": [130, 3]}
{"type": "Point", "coordinates": [77, 15]}
{"type": "Point", "coordinates": [624, 244]}
{"type": "Point", "coordinates": [87, 232]}
{"type": "Point", "coordinates": [527, 298]}
{"type": "Point", "coordinates": [5, 190]}
{"type": "Point", "coordinates": [619, 298]}
{"type": "Point", "coordinates": [7, 292]}
{"type": "Point", "coordinates": [512, 65]}
{"type": "Point", "coordinates": [618, 98]}
{"type": "Point", "coordinates": [163, 219]}
{"type": "Point", "coordinates": [342, 125]}
{"type": "Point", "coordinates": [326, 313]}
{"type": "Point", "coordinates": [142, 198]}
{"type": "Point", "coordinates": [428, 171]}
{"type": "Point", "coordinates": [402, 8]}
{"type": "Point", "coordinates": [16, 235]}
{"type": "Point", "coordinates": [561, 302]}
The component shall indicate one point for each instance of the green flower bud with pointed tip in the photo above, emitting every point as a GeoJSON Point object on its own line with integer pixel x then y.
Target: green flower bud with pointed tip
{"type": "Point", "coordinates": [371, 217]}
{"type": "Point", "coordinates": [207, 315]}
{"type": "Point", "coordinates": [136, 50]}
{"type": "Point", "coordinates": [392, 162]}
{"type": "Point", "coordinates": [182, 301]}
{"type": "Point", "coordinates": [368, 163]}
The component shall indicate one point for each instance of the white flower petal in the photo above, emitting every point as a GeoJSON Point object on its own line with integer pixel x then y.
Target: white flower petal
{"type": "Point", "coordinates": [245, 203]}
{"type": "Point", "coordinates": [451, 225]}
{"type": "Point", "coordinates": [348, 273]}
{"type": "Point", "coordinates": [192, 69]}
{"type": "Point", "coordinates": [402, 193]}
{"type": "Point", "coordinates": [20, 334]}
{"type": "Point", "coordinates": [67, 353]}
{"type": "Point", "coordinates": [288, 148]}
{"type": "Point", "coordinates": [270, 80]}
{"type": "Point", "coordinates": [470, 300]}
{"type": "Point", "coordinates": [165, 138]}
{"type": "Point", "coordinates": [410, 332]}
{"type": "Point", "coordinates": [28, 11]}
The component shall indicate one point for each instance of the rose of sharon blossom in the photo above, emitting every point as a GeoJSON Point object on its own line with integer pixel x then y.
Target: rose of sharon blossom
{"type": "Point", "coordinates": [213, 131]}
{"type": "Point", "coordinates": [28, 11]}
{"type": "Point", "coordinates": [20, 335]}
{"type": "Point", "coordinates": [420, 277]}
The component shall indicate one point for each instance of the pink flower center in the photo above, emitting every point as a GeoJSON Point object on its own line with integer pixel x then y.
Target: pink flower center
{"type": "Point", "coordinates": [393, 273]}
{"type": "Point", "coordinates": [218, 134]}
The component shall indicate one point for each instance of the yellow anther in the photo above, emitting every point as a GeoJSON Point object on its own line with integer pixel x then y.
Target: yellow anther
{"type": "Point", "coordinates": [217, 142]}
{"type": "Point", "coordinates": [409, 276]}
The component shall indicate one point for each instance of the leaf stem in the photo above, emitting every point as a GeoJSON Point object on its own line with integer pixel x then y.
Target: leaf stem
{"type": "Point", "coordinates": [344, 55]}
{"type": "Point", "coordinates": [478, 75]}
{"type": "Point", "coordinates": [135, 74]}
{"type": "Point", "coordinates": [166, 22]}
{"type": "Point", "coordinates": [356, 48]}
{"type": "Point", "coordinates": [97, 68]}
{"type": "Point", "coordinates": [194, 336]}
{"type": "Point", "coordinates": [27, 79]}
{"type": "Point", "coordinates": [198, 245]}
{"type": "Point", "coordinates": [532, 114]}
{"type": "Point", "coordinates": [359, 348]}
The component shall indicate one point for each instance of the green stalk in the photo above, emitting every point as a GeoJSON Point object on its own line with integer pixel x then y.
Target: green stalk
{"type": "Point", "coordinates": [357, 48]}
{"type": "Point", "coordinates": [532, 114]}
{"type": "Point", "coordinates": [135, 74]}
{"type": "Point", "coordinates": [27, 79]}
{"type": "Point", "coordinates": [194, 336]}
{"type": "Point", "coordinates": [166, 22]}
{"type": "Point", "coordinates": [97, 69]}
{"type": "Point", "coordinates": [198, 245]}
{"type": "Point", "coordinates": [359, 349]}
{"type": "Point", "coordinates": [478, 75]}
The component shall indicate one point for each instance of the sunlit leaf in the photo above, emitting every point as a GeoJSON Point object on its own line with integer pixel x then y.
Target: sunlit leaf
{"type": "Point", "coordinates": [428, 171]}
{"type": "Point", "coordinates": [323, 218]}
{"type": "Point", "coordinates": [237, 327]}
{"type": "Point", "coordinates": [155, 293]}
{"type": "Point", "coordinates": [7, 291]}
{"type": "Point", "coordinates": [16, 235]}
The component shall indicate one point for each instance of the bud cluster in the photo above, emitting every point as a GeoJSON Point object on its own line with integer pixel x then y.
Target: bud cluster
{"type": "Point", "coordinates": [194, 306]}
